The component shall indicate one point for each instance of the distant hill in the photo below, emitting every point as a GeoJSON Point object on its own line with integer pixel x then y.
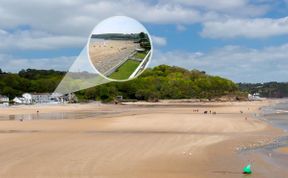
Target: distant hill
{"type": "Point", "coordinates": [269, 89]}
{"type": "Point", "coordinates": [30, 80]}
{"type": "Point", "coordinates": [161, 82]}
{"type": "Point", "coordinates": [116, 36]}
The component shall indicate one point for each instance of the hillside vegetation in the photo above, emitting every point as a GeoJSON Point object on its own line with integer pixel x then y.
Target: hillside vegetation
{"type": "Point", "coordinates": [269, 89]}
{"type": "Point", "coordinates": [161, 82]}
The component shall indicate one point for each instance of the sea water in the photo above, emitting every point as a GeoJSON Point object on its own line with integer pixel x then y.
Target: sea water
{"type": "Point", "coordinates": [270, 162]}
{"type": "Point", "coordinates": [97, 40]}
{"type": "Point", "coordinates": [277, 115]}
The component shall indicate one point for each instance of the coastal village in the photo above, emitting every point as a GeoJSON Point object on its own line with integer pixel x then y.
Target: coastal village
{"type": "Point", "coordinates": [58, 98]}
{"type": "Point", "coordinates": [38, 98]}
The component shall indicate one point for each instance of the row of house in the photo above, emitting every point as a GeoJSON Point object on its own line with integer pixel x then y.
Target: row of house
{"type": "Point", "coordinates": [39, 98]}
{"type": "Point", "coordinates": [44, 98]}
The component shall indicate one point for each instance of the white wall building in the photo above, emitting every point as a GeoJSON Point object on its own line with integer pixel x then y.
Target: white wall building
{"type": "Point", "coordinates": [41, 98]}
{"type": "Point", "coordinates": [27, 98]}
{"type": "Point", "coordinates": [4, 101]}
{"type": "Point", "coordinates": [18, 100]}
{"type": "Point", "coordinates": [254, 97]}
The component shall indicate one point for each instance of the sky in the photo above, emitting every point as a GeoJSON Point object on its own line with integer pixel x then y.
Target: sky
{"type": "Point", "coordinates": [243, 40]}
{"type": "Point", "coordinates": [119, 24]}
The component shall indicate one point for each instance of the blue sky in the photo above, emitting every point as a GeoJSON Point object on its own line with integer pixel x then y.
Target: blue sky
{"type": "Point", "coordinates": [243, 40]}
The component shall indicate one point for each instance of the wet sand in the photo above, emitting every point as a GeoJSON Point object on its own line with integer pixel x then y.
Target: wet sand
{"type": "Point", "coordinates": [107, 54]}
{"type": "Point", "coordinates": [138, 141]}
{"type": "Point", "coordinates": [283, 150]}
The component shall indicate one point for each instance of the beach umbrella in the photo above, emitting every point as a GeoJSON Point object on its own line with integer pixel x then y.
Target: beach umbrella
{"type": "Point", "coordinates": [247, 169]}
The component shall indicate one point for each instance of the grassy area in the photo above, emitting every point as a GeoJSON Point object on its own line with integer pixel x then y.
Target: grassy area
{"type": "Point", "coordinates": [140, 55]}
{"type": "Point", "coordinates": [125, 70]}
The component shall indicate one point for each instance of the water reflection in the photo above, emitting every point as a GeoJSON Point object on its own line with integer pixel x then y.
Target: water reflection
{"type": "Point", "coordinates": [53, 116]}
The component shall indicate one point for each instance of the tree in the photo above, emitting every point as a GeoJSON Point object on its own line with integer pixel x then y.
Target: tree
{"type": "Point", "coordinates": [160, 82]}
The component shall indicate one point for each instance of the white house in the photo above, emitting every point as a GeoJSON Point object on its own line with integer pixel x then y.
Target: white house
{"type": "Point", "coordinates": [4, 101]}
{"type": "Point", "coordinates": [4, 98]}
{"type": "Point", "coordinates": [18, 100]}
{"type": "Point", "coordinates": [40, 97]}
{"type": "Point", "coordinates": [27, 98]}
{"type": "Point", "coordinates": [254, 97]}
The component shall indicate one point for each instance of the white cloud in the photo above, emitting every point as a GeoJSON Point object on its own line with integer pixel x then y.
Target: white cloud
{"type": "Point", "coordinates": [79, 17]}
{"type": "Point", "coordinates": [181, 28]}
{"type": "Point", "coordinates": [67, 23]}
{"type": "Point", "coordinates": [37, 40]}
{"type": "Point", "coordinates": [14, 64]}
{"type": "Point", "coordinates": [234, 62]}
{"type": "Point", "coordinates": [249, 28]}
{"type": "Point", "coordinates": [158, 40]}
{"type": "Point", "coordinates": [231, 7]}
{"type": "Point", "coordinates": [214, 4]}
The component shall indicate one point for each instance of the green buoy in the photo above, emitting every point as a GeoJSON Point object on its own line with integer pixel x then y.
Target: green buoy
{"type": "Point", "coordinates": [247, 169]}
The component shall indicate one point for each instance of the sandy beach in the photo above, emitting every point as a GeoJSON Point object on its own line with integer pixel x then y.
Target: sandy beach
{"type": "Point", "coordinates": [109, 53]}
{"type": "Point", "coordinates": [136, 140]}
{"type": "Point", "coordinates": [283, 150]}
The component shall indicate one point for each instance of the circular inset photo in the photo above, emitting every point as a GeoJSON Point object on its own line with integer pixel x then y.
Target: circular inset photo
{"type": "Point", "coordinates": [120, 48]}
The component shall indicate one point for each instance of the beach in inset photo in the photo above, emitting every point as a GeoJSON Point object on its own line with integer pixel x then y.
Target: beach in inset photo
{"type": "Point", "coordinates": [119, 55]}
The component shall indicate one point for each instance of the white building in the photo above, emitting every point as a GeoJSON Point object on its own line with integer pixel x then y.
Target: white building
{"type": "Point", "coordinates": [18, 100]}
{"type": "Point", "coordinates": [42, 98]}
{"type": "Point", "coordinates": [254, 97]}
{"type": "Point", "coordinates": [25, 99]}
{"type": "Point", "coordinates": [4, 101]}
{"type": "Point", "coordinates": [4, 98]}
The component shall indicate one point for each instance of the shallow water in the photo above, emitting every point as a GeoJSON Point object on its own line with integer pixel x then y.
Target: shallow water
{"type": "Point", "coordinates": [54, 116]}
{"type": "Point", "coordinates": [98, 40]}
{"type": "Point", "coordinates": [276, 115]}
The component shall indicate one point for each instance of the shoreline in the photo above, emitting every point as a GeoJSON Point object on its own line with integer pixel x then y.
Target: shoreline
{"type": "Point", "coordinates": [150, 141]}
